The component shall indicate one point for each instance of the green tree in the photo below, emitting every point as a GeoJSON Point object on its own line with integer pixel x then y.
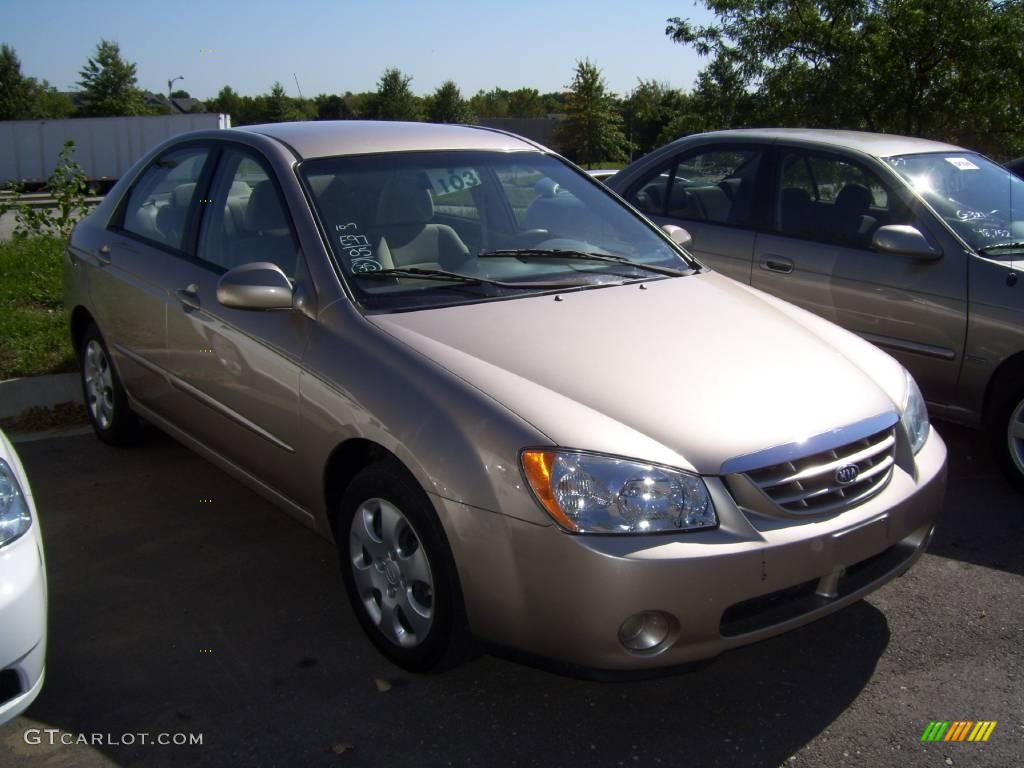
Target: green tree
{"type": "Point", "coordinates": [446, 105]}
{"type": "Point", "coordinates": [67, 185]}
{"type": "Point", "coordinates": [394, 99]}
{"type": "Point", "coordinates": [226, 102]}
{"type": "Point", "coordinates": [554, 102]}
{"type": "Point", "coordinates": [332, 107]}
{"type": "Point", "coordinates": [944, 69]}
{"type": "Point", "coordinates": [526, 102]}
{"type": "Point", "coordinates": [652, 111]}
{"type": "Point", "coordinates": [46, 102]}
{"type": "Point", "coordinates": [109, 83]}
{"type": "Point", "coordinates": [280, 107]}
{"type": "Point", "coordinates": [592, 129]}
{"type": "Point", "coordinates": [14, 93]}
{"type": "Point", "coordinates": [492, 103]}
{"type": "Point", "coordinates": [360, 104]}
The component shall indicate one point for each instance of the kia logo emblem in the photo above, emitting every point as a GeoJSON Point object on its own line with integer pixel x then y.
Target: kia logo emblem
{"type": "Point", "coordinates": [847, 474]}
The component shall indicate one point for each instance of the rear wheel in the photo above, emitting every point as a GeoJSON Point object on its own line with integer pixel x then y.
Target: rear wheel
{"type": "Point", "coordinates": [1007, 430]}
{"type": "Point", "coordinates": [112, 418]}
{"type": "Point", "coordinates": [399, 572]}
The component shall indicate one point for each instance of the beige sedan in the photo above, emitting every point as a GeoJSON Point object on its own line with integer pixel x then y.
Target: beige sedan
{"type": "Point", "coordinates": [526, 416]}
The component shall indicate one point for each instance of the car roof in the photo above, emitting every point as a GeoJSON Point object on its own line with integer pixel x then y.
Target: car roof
{"type": "Point", "coordinates": [876, 144]}
{"type": "Point", "coordinates": [329, 138]}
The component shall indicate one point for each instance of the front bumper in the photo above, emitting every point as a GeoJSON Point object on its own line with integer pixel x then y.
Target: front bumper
{"type": "Point", "coordinates": [22, 623]}
{"type": "Point", "coordinates": [546, 593]}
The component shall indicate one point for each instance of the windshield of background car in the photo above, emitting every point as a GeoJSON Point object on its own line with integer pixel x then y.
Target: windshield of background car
{"type": "Point", "coordinates": [442, 210]}
{"type": "Point", "coordinates": [980, 200]}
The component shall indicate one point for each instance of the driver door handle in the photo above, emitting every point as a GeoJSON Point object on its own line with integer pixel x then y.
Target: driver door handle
{"type": "Point", "coordinates": [103, 255]}
{"type": "Point", "coordinates": [189, 296]}
{"type": "Point", "coordinates": [777, 264]}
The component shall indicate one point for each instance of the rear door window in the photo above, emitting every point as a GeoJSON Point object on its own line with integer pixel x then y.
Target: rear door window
{"type": "Point", "coordinates": [162, 202]}
{"type": "Point", "coordinates": [713, 184]}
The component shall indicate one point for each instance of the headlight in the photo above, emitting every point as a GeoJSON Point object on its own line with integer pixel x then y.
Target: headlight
{"type": "Point", "coordinates": [915, 415]}
{"type": "Point", "coordinates": [14, 515]}
{"type": "Point", "coordinates": [585, 493]}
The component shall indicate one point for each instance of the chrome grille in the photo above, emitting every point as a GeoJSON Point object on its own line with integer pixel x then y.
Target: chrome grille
{"type": "Point", "coordinates": [809, 485]}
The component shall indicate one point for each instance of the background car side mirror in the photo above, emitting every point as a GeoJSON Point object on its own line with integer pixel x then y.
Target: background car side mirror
{"type": "Point", "coordinates": [257, 285]}
{"type": "Point", "coordinates": [904, 240]}
{"type": "Point", "coordinates": [679, 235]}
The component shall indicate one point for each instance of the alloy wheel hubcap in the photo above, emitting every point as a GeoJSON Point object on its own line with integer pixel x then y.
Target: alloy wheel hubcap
{"type": "Point", "coordinates": [1015, 436]}
{"type": "Point", "coordinates": [392, 573]}
{"type": "Point", "coordinates": [99, 384]}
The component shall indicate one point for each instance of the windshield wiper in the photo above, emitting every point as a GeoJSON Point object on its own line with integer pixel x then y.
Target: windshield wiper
{"type": "Point", "coordinates": [984, 250]}
{"type": "Point", "coordinates": [544, 253]}
{"type": "Point", "coordinates": [455, 277]}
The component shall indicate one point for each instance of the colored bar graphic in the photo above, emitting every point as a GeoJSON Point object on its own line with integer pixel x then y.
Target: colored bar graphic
{"type": "Point", "coordinates": [936, 730]}
{"type": "Point", "coordinates": [958, 730]}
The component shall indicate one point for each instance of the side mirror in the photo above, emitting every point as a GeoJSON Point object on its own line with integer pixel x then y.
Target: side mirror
{"type": "Point", "coordinates": [257, 285]}
{"type": "Point", "coordinates": [904, 240]}
{"type": "Point", "coordinates": [679, 236]}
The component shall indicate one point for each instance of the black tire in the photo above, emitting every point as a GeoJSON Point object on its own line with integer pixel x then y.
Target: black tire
{"type": "Point", "coordinates": [447, 642]}
{"type": "Point", "coordinates": [1007, 411]}
{"type": "Point", "coordinates": [111, 416]}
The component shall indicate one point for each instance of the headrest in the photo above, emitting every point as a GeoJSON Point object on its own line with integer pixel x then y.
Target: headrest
{"type": "Point", "coordinates": [264, 212]}
{"type": "Point", "coordinates": [182, 195]}
{"type": "Point", "coordinates": [545, 188]}
{"type": "Point", "coordinates": [405, 199]}
{"type": "Point", "coordinates": [853, 198]}
{"type": "Point", "coordinates": [239, 189]}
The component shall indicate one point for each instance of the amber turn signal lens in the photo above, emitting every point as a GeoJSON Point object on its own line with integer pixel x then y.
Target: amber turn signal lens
{"type": "Point", "coordinates": [537, 466]}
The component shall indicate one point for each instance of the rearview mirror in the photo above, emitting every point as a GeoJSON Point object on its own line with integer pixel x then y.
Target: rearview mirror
{"type": "Point", "coordinates": [904, 240]}
{"type": "Point", "coordinates": [679, 236]}
{"type": "Point", "coordinates": [257, 285]}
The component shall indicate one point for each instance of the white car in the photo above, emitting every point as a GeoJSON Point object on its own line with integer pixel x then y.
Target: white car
{"type": "Point", "coordinates": [22, 589]}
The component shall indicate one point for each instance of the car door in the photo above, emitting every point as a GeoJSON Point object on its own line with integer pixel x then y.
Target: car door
{"type": "Point", "coordinates": [140, 265]}
{"type": "Point", "coordinates": [709, 191]}
{"type": "Point", "coordinates": [818, 254]}
{"type": "Point", "coordinates": [238, 370]}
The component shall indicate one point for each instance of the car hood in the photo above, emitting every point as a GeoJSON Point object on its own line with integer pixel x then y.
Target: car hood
{"type": "Point", "coordinates": [689, 372]}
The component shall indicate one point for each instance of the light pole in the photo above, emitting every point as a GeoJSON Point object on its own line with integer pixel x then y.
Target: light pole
{"type": "Point", "coordinates": [170, 86]}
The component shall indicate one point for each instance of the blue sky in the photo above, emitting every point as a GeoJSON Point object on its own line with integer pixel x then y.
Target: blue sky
{"type": "Point", "coordinates": [337, 46]}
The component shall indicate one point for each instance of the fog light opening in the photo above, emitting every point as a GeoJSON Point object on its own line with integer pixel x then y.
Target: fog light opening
{"type": "Point", "coordinates": [647, 632]}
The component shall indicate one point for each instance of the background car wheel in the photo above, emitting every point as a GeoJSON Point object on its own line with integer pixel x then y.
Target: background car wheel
{"type": "Point", "coordinates": [399, 571]}
{"type": "Point", "coordinates": [1007, 431]}
{"type": "Point", "coordinates": [112, 418]}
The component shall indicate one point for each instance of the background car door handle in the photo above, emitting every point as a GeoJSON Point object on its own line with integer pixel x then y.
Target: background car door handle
{"type": "Point", "coordinates": [103, 255]}
{"type": "Point", "coordinates": [777, 264]}
{"type": "Point", "coordinates": [189, 295]}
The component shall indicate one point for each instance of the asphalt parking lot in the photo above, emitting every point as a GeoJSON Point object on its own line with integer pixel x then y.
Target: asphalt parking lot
{"type": "Point", "coordinates": [169, 614]}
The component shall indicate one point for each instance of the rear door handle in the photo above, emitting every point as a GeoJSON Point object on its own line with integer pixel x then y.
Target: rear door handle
{"type": "Point", "coordinates": [777, 264]}
{"type": "Point", "coordinates": [103, 255]}
{"type": "Point", "coordinates": [189, 295]}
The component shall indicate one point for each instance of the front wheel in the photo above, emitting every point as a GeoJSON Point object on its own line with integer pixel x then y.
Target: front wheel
{"type": "Point", "coordinates": [399, 572]}
{"type": "Point", "coordinates": [1007, 431]}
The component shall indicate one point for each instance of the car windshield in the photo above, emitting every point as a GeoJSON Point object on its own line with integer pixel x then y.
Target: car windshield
{"type": "Point", "coordinates": [515, 222]}
{"type": "Point", "coordinates": [980, 200]}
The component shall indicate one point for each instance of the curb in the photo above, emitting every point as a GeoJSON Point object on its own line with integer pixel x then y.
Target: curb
{"type": "Point", "coordinates": [19, 395]}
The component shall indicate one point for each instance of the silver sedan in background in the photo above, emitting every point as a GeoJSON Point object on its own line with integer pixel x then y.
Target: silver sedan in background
{"type": "Point", "coordinates": [914, 245]}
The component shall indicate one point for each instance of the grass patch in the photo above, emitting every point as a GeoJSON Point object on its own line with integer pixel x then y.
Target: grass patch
{"type": "Point", "coordinates": [33, 324]}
